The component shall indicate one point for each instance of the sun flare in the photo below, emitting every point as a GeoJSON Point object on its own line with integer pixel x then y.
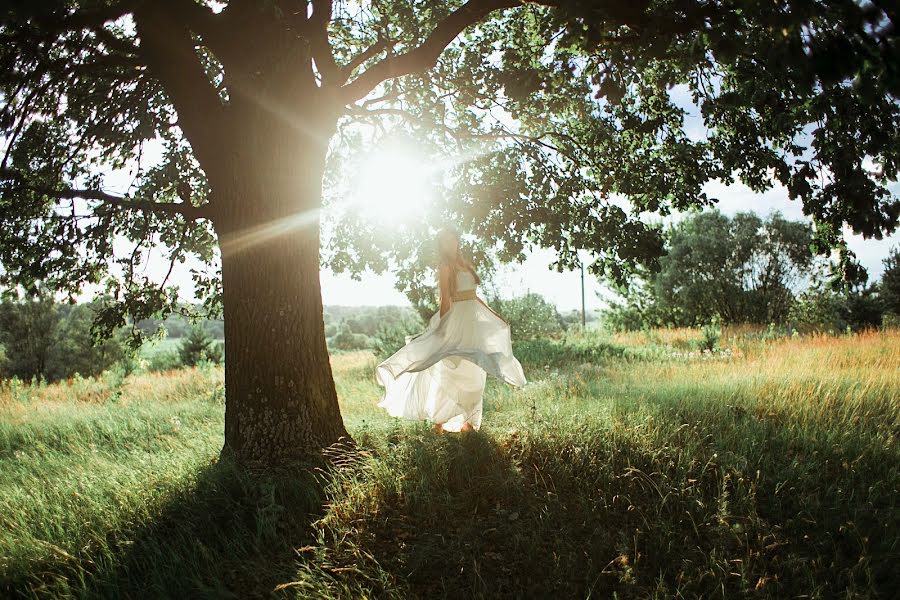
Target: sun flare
{"type": "Point", "coordinates": [392, 186]}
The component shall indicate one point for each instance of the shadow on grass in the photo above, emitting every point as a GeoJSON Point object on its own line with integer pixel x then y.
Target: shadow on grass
{"type": "Point", "coordinates": [578, 511]}
{"type": "Point", "coordinates": [573, 510]}
{"type": "Point", "coordinates": [568, 517]}
{"type": "Point", "coordinates": [232, 535]}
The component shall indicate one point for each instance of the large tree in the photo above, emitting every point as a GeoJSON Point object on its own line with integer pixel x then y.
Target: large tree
{"type": "Point", "coordinates": [740, 269]}
{"type": "Point", "coordinates": [560, 114]}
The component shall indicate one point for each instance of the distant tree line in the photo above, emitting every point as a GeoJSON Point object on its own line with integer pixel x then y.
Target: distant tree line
{"type": "Point", "coordinates": [178, 326]}
{"type": "Point", "coordinates": [40, 338]}
{"type": "Point", "coordinates": [745, 269]}
{"type": "Point", "coordinates": [43, 339]}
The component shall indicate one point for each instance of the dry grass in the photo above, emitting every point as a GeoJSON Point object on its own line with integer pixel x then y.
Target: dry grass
{"type": "Point", "coordinates": [643, 471]}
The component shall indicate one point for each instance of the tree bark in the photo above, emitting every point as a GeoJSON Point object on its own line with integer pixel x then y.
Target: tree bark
{"type": "Point", "coordinates": [280, 398]}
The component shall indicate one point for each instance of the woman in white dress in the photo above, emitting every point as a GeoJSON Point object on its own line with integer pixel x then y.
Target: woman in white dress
{"type": "Point", "coordinates": [440, 374]}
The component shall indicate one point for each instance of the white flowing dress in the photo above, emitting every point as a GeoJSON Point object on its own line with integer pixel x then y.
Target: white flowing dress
{"type": "Point", "coordinates": [440, 374]}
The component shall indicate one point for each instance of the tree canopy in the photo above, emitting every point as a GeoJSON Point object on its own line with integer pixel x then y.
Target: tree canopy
{"type": "Point", "coordinates": [550, 112]}
{"type": "Point", "coordinates": [740, 269]}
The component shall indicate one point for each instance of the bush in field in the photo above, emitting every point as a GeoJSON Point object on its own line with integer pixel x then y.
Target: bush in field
{"type": "Point", "coordinates": [823, 308]}
{"type": "Point", "coordinates": [890, 321]}
{"type": "Point", "coordinates": [390, 337]}
{"type": "Point", "coordinates": [74, 348]}
{"type": "Point", "coordinates": [165, 360]}
{"type": "Point", "coordinates": [545, 352]}
{"type": "Point", "coordinates": [530, 316]}
{"type": "Point", "coordinates": [864, 308]}
{"type": "Point", "coordinates": [199, 347]}
{"type": "Point", "coordinates": [890, 285]}
{"type": "Point", "coordinates": [345, 339]}
{"type": "Point", "coordinates": [741, 269]}
{"type": "Point", "coordinates": [49, 341]}
{"type": "Point", "coordinates": [27, 331]}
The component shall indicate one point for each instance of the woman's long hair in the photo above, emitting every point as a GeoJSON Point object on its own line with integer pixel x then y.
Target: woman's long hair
{"type": "Point", "coordinates": [454, 259]}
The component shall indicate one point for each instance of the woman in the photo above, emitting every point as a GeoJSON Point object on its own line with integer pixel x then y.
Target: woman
{"type": "Point", "coordinates": [440, 374]}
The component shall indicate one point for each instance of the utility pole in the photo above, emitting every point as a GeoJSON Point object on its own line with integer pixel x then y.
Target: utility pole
{"type": "Point", "coordinates": [583, 320]}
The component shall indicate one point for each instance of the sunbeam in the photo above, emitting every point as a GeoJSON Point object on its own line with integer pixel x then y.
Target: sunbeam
{"type": "Point", "coordinates": [261, 233]}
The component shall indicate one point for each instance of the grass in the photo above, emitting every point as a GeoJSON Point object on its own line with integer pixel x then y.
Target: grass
{"type": "Point", "coordinates": [160, 346]}
{"type": "Point", "coordinates": [627, 467]}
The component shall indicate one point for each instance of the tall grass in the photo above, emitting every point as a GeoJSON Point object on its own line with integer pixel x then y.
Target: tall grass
{"type": "Point", "coordinates": [625, 467]}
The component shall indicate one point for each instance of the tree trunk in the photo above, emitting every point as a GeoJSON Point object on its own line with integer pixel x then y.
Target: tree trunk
{"type": "Point", "coordinates": [280, 399]}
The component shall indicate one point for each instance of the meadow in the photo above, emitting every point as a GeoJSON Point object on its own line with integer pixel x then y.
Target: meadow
{"type": "Point", "coordinates": [630, 466]}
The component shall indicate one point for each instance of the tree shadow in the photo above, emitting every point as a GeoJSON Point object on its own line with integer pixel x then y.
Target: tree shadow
{"type": "Point", "coordinates": [464, 516]}
{"type": "Point", "coordinates": [232, 535]}
{"type": "Point", "coordinates": [577, 512]}
{"type": "Point", "coordinates": [568, 510]}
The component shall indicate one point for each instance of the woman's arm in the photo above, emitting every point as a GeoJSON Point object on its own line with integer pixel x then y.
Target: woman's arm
{"type": "Point", "coordinates": [445, 288]}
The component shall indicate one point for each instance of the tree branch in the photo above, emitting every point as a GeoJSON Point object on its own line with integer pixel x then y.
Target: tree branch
{"type": "Point", "coordinates": [188, 211]}
{"type": "Point", "coordinates": [425, 56]}
{"type": "Point", "coordinates": [319, 46]}
{"type": "Point", "coordinates": [357, 61]}
{"type": "Point", "coordinates": [167, 46]}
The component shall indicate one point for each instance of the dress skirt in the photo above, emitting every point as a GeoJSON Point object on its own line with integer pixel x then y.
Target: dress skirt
{"type": "Point", "coordinates": [440, 374]}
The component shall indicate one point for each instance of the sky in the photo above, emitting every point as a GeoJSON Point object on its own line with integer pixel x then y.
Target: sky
{"type": "Point", "coordinates": [533, 275]}
{"type": "Point", "coordinates": [564, 289]}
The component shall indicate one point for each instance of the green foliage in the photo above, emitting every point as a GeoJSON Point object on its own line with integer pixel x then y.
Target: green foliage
{"type": "Point", "coordinates": [595, 94]}
{"type": "Point", "coordinates": [50, 341]}
{"type": "Point", "coordinates": [346, 339]}
{"type": "Point", "coordinates": [822, 307]}
{"type": "Point", "coordinates": [27, 331]}
{"type": "Point", "coordinates": [889, 289]}
{"type": "Point", "coordinates": [198, 347]}
{"type": "Point", "coordinates": [543, 353]}
{"type": "Point", "coordinates": [712, 333]}
{"type": "Point", "coordinates": [381, 328]}
{"type": "Point", "coordinates": [165, 360]}
{"type": "Point", "coordinates": [890, 321]}
{"type": "Point", "coordinates": [76, 350]}
{"type": "Point", "coordinates": [740, 270]}
{"type": "Point", "coordinates": [391, 337]}
{"type": "Point", "coordinates": [530, 316]}
{"type": "Point", "coordinates": [178, 326]}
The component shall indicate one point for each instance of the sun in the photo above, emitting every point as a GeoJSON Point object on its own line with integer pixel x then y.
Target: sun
{"type": "Point", "coordinates": [392, 185]}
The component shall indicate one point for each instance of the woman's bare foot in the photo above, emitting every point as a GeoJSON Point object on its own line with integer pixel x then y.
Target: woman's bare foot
{"type": "Point", "coordinates": [466, 427]}
{"type": "Point", "coordinates": [438, 428]}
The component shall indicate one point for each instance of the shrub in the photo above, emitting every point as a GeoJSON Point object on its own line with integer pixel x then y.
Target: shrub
{"type": "Point", "coordinates": [27, 330]}
{"type": "Point", "coordinates": [391, 337]}
{"type": "Point", "coordinates": [530, 316]}
{"type": "Point", "coordinates": [76, 351]}
{"type": "Point", "coordinates": [890, 283]}
{"type": "Point", "coordinates": [345, 339]}
{"type": "Point", "coordinates": [164, 361]}
{"type": "Point", "coordinates": [49, 341]}
{"type": "Point", "coordinates": [543, 352]}
{"type": "Point", "coordinates": [199, 347]}
{"type": "Point", "coordinates": [712, 333]}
